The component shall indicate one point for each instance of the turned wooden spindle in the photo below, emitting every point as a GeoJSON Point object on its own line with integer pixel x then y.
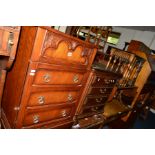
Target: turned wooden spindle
{"type": "Point", "coordinates": [119, 64]}
{"type": "Point", "coordinates": [114, 62]}
{"type": "Point", "coordinates": [131, 68]}
{"type": "Point", "coordinates": [110, 58]}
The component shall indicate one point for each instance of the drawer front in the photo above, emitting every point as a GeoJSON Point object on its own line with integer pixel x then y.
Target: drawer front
{"type": "Point", "coordinates": [62, 49]}
{"type": "Point", "coordinates": [91, 121]}
{"type": "Point", "coordinates": [102, 90]}
{"type": "Point", "coordinates": [48, 115]}
{"type": "Point", "coordinates": [52, 97]}
{"type": "Point", "coordinates": [66, 125]}
{"type": "Point", "coordinates": [90, 101]}
{"type": "Point", "coordinates": [101, 81]}
{"type": "Point", "coordinates": [55, 77]}
{"type": "Point", "coordinates": [8, 40]}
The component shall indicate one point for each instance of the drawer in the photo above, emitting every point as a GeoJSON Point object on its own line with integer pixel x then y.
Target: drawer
{"type": "Point", "coordinates": [58, 124]}
{"type": "Point", "coordinates": [92, 100]}
{"type": "Point", "coordinates": [91, 122]}
{"type": "Point", "coordinates": [101, 81]}
{"type": "Point", "coordinates": [100, 90]}
{"type": "Point", "coordinates": [65, 50]}
{"type": "Point", "coordinates": [56, 77]}
{"type": "Point", "coordinates": [48, 115]}
{"type": "Point", "coordinates": [8, 40]}
{"type": "Point", "coordinates": [52, 97]}
{"type": "Point", "coordinates": [66, 125]}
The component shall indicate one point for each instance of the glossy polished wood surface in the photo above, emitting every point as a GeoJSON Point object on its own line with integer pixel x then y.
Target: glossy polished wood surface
{"type": "Point", "coordinates": [97, 91]}
{"type": "Point", "coordinates": [48, 77]}
{"type": "Point", "coordinates": [9, 36]}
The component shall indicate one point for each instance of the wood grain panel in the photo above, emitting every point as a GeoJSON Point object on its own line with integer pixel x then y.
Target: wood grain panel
{"type": "Point", "coordinates": [52, 97]}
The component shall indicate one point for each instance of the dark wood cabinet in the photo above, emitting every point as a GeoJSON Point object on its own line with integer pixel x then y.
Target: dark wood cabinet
{"type": "Point", "coordinates": [96, 93]}
{"type": "Point", "coordinates": [47, 80]}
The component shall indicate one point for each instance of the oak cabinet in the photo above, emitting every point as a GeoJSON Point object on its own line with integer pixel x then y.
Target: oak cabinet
{"type": "Point", "coordinates": [46, 82]}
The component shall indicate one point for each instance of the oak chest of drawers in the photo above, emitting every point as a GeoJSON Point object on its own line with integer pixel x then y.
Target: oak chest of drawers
{"type": "Point", "coordinates": [46, 82]}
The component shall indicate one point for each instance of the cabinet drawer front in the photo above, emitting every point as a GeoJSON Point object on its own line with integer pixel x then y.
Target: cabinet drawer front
{"type": "Point", "coordinates": [66, 125]}
{"type": "Point", "coordinates": [90, 101]}
{"type": "Point", "coordinates": [93, 121]}
{"type": "Point", "coordinates": [101, 81]}
{"type": "Point", "coordinates": [52, 97]}
{"type": "Point", "coordinates": [65, 50]}
{"type": "Point", "coordinates": [8, 40]}
{"type": "Point", "coordinates": [54, 77]}
{"type": "Point", "coordinates": [102, 90]}
{"type": "Point", "coordinates": [48, 115]}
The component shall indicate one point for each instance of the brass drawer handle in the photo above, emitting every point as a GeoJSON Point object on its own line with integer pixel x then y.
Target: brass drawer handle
{"type": "Point", "coordinates": [46, 78]}
{"type": "Point", "coordinates": [35, 119]}
{"type": "Point", "coordinates": [103, 90]}
{"type": "Point", "coordinates": [107, 81]}
{"type": "Point", "coordinates": [41, 99]}
{"type": "Point", "coordinates": [98, 79]}
{"type": "Point", "coordinates": [10, 41]}
{"type": "Point", "coordinates": [70, 97]}
{"type": "Point", "coordinates": [98, 100]}
{"type": "Point", "coordinates": [64, 113]}
{"type": "Point", "coordinates": [94, 109]}
{"type": "Point", "coordinates": [76, 79]}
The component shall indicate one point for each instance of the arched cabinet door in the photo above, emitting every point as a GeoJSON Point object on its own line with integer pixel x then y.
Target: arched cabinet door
{"type": "Point", "coordinates": [54, 47]}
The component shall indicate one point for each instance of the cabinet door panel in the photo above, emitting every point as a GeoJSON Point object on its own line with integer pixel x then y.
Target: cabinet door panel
{"type": "Point", "coordinates": [56, 48]}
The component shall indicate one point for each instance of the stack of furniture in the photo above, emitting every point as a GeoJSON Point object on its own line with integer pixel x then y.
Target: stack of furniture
{"type": "Point", "coordinates": [9, 36]}
{"type": "Point", "coordinates": [55, 84]}
{"type": "Point", "coordinates": [102, 98]}
{"type": "Point", "coordinates": [46, 82]}
{"type": "Point", "coordinates": [136, 72]}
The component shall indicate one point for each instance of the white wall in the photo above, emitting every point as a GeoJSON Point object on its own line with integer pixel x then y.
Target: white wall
{"type": "Point", "coordinates": [61, 28]}
{"type": "Point", "coordinates": [145, 36]}
{"type": "Point", "coordinates": [127, 35]}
